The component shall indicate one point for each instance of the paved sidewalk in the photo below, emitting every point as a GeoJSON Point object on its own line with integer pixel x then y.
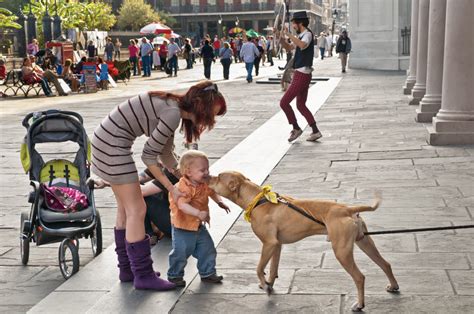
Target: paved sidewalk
{"type": "Point", "coordinates": [22, 287]}
{"type": "Point", "coordinates": [371, 142]}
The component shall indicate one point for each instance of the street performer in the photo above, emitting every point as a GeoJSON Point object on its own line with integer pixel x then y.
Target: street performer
{"type": "Point", "coordinates": [303, 44]}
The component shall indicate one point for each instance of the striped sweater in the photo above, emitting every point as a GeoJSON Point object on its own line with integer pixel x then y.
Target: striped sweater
{"type": "Point", "coordinates": [154, 117]}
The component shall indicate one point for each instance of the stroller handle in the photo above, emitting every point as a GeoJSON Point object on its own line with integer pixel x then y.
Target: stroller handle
{"type": "Point", "coordinates": [50, 113]}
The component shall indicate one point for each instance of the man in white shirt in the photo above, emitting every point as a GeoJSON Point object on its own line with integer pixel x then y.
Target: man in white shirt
{"type": "Point", "coordinates": [248, 52]}
{"type": "Point", "coordinates": [173, 50]}
{"type": "Point", "coordinates": [304, 54]}
{"type": "Point", "coordinates": [329, 44]}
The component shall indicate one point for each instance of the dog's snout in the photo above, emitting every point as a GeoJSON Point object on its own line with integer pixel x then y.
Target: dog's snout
{"type": "Point", "coordinates": [212, 180]}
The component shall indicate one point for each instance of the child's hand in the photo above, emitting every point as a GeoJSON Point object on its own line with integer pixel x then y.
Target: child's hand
{"type": "Point", "coordinates": [224, 207]}
{"type": "Point", "coordinates": [203, 216]}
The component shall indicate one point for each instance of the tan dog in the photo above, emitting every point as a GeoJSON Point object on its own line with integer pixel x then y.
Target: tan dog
{"type": "Point", "coordinates": [277, 224]}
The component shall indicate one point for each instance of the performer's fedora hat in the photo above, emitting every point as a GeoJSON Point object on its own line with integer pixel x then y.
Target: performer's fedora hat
{"type": "Point", "coordinates": [299, 15]}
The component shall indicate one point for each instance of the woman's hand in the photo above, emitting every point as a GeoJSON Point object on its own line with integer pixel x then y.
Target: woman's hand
{"type": "Point", "coordinates": [224, 207]}
{"type": "Point", "coordinates": [176, 193]}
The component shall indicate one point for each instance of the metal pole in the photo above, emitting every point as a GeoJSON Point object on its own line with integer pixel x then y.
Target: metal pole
{"type": "Point", "coordinates": [47, 29]}
{"type": "Point", "coordinates": [22, 33]}
{"type": "Point", "coordinates": [31, 25]}
{"type": "Point", "coordinates": [56, 22]}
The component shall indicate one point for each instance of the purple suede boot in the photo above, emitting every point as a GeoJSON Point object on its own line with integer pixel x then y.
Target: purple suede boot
{"type": "Point", "coordinates": [125, 272]}
{"type": "Point", "coordinates": [142, 267]}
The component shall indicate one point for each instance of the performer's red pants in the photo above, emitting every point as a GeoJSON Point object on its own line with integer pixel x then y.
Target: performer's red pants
{"type": "Point", "coordinates": [299, 89]}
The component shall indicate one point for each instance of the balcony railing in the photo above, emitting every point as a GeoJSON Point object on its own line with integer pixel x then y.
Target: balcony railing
{"type": "Point", "coordinates": [227, 7]}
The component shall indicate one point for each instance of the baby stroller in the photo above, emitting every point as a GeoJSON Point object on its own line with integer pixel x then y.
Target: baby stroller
{"type": "Point", "coordinates": [41, 224]}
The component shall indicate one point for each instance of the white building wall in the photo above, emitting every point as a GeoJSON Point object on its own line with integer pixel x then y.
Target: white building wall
{"type": "Point", "coordinates": [374, 29]}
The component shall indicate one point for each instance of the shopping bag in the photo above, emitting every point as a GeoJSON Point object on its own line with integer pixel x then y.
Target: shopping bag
{"type": "Point", "coordinates": [64, 86]}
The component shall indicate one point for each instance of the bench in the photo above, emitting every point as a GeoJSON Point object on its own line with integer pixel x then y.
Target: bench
{"type": "Point", "coordinates": [14, 84]}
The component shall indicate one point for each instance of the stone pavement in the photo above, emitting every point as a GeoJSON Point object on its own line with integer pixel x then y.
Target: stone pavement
{"type": "Point", "coordinates": [22, 287]}
{"type": "Point", "coordinates": [371, 142]}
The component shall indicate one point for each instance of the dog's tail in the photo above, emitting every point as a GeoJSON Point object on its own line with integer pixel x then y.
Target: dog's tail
{"type": "Point", "coordinates": [365, 208]}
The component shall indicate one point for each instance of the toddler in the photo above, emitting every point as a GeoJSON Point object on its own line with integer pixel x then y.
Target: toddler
{"type": "Point", "coordinates": [188, 217]}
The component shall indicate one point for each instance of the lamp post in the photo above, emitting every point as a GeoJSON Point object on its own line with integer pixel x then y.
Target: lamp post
{"type": "Point", "coordinates": [334, 16]}
{"type": "Point", "coordinates": [237, 21]}
{"type": "Point", "coordinates": [219, 27]}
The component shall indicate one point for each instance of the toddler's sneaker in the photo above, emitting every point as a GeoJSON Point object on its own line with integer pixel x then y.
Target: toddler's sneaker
{"type": "Point", "coordinates": [179, 282]}
{"type": "Point", "coordinates": [314, 137]}
{"type": "Point", "coordinates": [212, 279]}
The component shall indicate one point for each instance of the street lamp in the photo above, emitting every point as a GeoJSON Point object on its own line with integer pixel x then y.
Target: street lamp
{"type": "Point", "coordinates": [334, 16]}
{"type": "Point", "coordinates": [220, 26]}
{"type": "Point", "coordinates": [236, 21]}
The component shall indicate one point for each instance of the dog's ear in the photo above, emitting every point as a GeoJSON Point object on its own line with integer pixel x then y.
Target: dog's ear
{"type": "Point", "coordinates": [233, 185]}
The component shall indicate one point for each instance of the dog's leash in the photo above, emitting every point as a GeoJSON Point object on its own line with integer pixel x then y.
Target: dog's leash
{"type": "Point", "coordinates": [418, 230]}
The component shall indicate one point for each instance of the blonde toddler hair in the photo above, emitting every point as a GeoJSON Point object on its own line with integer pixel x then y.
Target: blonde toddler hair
{"type": "Point", "coordinates": [188, 158]}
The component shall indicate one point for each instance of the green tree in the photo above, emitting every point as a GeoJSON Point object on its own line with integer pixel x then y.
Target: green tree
{"type": "Point", "coordinates": [7, 19]}
{"type": "Point", "coordinates": [134, 14]}
{"type": "Point", "coordinates": [90, 15]}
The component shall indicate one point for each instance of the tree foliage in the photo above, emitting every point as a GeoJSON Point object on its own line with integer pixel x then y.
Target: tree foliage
{"type": "Point", "coordinates": [75, 14]}
{"type": "Point", "coordinates": [134, 14]}
{"type": "Point", "coordinates": [7, 19]}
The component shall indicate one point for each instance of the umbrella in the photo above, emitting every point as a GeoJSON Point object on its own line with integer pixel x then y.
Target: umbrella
{"type": "Point", "coordinates": [156, 28]}
{"type": "Point", "coordinates": [235, 30]}
{"type": "Point", "coordinates": [252, 33]}
{"type": "Point", "coordinates": [159, 40]}
{"type": "Point", "coordinates": [171, 35]}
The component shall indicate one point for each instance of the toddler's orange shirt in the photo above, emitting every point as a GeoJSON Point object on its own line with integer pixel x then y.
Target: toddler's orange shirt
{"type": "Point", "coordinates": [197, 197]}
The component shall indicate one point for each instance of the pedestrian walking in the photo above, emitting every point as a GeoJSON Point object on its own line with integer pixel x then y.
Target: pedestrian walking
{"type": "Point", "coordinates": [343, 48]}
{"type": "Point", "coordinates": [304, 54]}
{"type": "Point", "coordinates": [91, 50]}
{"type": "Point", "coordinates": [156, 57]}
{"type": "Point", "coordinates": [109, 49]}
{"type": "Point", "coordinates": [156, 115]}
{"type": "Point", "coordinates": [258, 57]}
{"type": "Point", "coordinates": [187, 53]}
{"type": "Point", "coordinates": [322, 44]}
{"type": "Point", "coordinates": [247, 54]}
{"type": "Point", "coordinates": [207, 54]}
{"type": "Point", "coordinates": [173, 51]}
{"type": "Point", "coordinates": [329, 44]}
{"type": "Point", "coordinates": [226, 59]}
{"type": "Point", "coordinates": [118, 46]}
{"type": "Point", "coordinates": [146, 50]}
{"type": "Point", "coordinates": [133, 50]}
{"type": "Point", "coordinates": [188, 218]}
{"type": "Point", "coordinates": [238, 47]}
{"type": "Point", "coordinates": [163, 54]}
{"type": "Point", "coordinates": [270, 47]}
{"type": "Point", "coordinates": [216, 44]}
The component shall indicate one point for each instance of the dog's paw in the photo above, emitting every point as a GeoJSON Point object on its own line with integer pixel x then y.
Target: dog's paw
{"type": "Point", "coordinates": [356, 307]}
{"type": "Point", "coordinates": [392, 289]}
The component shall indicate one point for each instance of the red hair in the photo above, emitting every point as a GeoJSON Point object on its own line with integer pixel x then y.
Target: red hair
{"type": "Point", "coordinates": [200, 100]}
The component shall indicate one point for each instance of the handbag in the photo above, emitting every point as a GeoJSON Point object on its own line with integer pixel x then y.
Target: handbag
{"type": "Point", "coordinates": [63, 199]}
{"type": "Point", "coordinates": [64, 86]}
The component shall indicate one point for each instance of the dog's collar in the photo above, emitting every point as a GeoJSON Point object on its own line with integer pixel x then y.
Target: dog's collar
{"type": "Point", "coordinates": [265, 195]}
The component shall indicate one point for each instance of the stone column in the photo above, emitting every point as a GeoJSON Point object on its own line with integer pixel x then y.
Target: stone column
{"type": "Point", "coordinates": [411, 79]}
{"type": "Point", "coordinates": [204, 28]}
{"type": "Point", "coordinates": [419, 88]}
{"type": "Point", "coordinates": [431, 102]}
{"type": "Point", "coordinates": [255, 25]}
{"type": "Point", "coordinates": [454, 123]}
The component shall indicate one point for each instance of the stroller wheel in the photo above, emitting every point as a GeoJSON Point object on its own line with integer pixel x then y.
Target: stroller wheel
{"type": "Point", "coordinates": [68, 258]}
{"type": "Point", "coordinates": [96, 237]}
{"type": "Point", "coordinates": [24, 240]}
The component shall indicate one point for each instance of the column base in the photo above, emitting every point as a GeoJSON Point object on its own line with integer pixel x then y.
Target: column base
{"type": "Point", "coordinates": [424, 117]}
{"type": "Point", "coordinates": [417, 94]}
{"type": "Point", "coordinates": [429, 107]}
{"type": "Point", "coordinates": [409, 83]}
{"type": "Point", "coordinates": [446, 132]}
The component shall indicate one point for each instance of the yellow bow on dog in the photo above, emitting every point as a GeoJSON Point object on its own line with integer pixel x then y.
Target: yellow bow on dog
{"type": "Point", "coordinates": [266, 192]}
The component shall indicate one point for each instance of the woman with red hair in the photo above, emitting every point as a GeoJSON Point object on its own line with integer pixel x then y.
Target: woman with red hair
{"type": "Point", "coordinates": [156, 115]}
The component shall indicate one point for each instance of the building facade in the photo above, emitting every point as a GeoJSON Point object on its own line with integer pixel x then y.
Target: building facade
{"type": "Point", "coordinates": [377, 33]}
{"type": "Point", "coordinates": [196, 18]}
